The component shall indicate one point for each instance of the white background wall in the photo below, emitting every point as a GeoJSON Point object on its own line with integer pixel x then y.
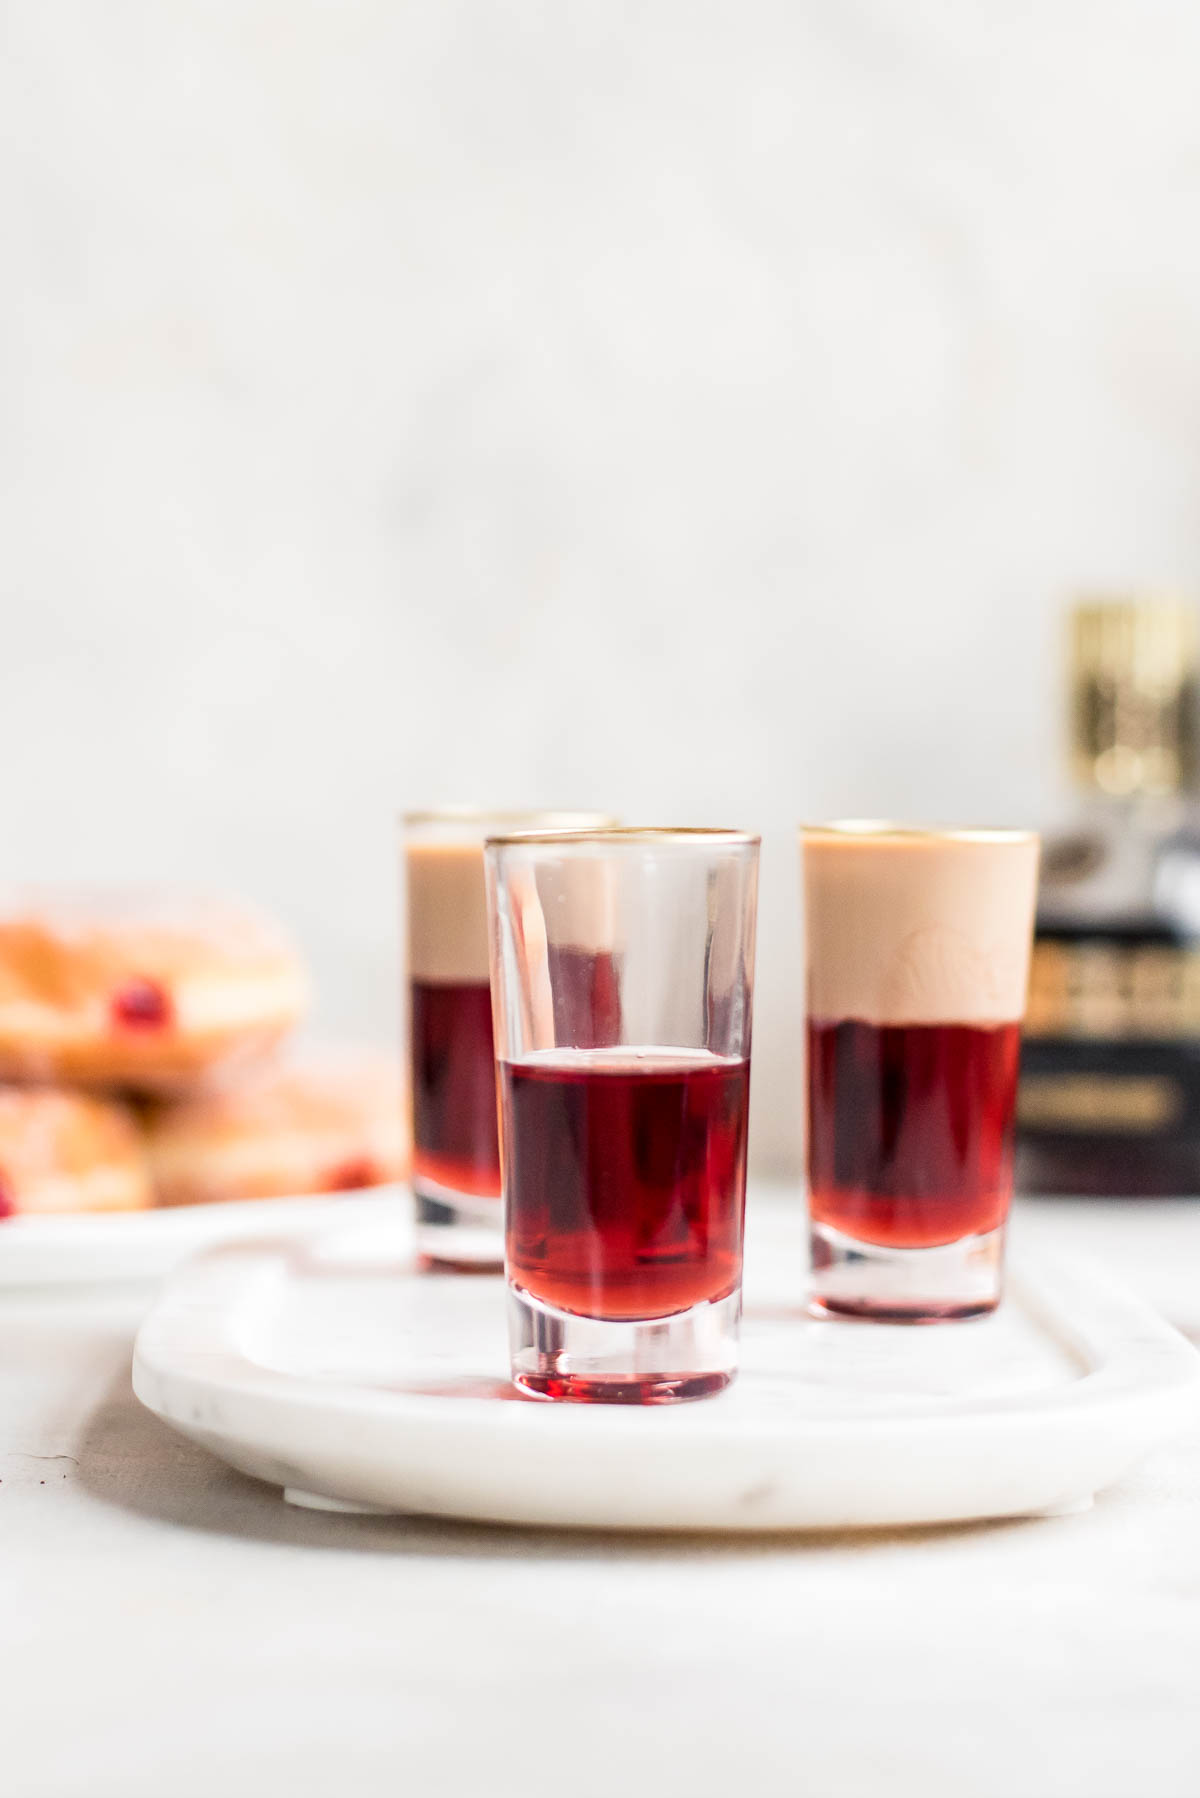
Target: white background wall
{"type": "Point", "coordinates": [697, 410]}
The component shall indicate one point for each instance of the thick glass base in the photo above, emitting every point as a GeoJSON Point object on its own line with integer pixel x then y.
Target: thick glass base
{"type": "Point", "coordinates": [643, 1361]}
{"type": "Point", "coordinates": [905, 1286]}
{"type": "Point", "coordinates": [457, 1231]}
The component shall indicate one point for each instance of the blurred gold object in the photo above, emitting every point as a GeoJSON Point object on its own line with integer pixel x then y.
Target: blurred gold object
{"type": "Point", "coordinates": [1099, 989]}
{"type": "Point", "coordinates": [1133, 695]}
{"type": "Point", "coordinates": [1110, 1069]}
{"type": "Point", "coordinates": [1100, 1104]}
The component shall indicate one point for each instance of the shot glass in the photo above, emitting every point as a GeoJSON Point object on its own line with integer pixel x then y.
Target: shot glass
{"type": "Point", "coordinates": [917, 946]}
{"type": "Point", "coordinates": [622, 982]}
{"type": "Point", "coordinates": [456, 1149]}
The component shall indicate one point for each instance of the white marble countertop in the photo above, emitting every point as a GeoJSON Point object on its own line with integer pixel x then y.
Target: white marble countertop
{"type": "Point", "coordinates": [168, 1627]}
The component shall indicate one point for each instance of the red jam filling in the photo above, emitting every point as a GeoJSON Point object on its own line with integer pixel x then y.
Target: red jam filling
{"type": "Point", "coordinates": [351, 1174]}
{"type": "Point", "coordinates": [8, 1205]}
{"type": "Point", "coordinates": [141, 1005]}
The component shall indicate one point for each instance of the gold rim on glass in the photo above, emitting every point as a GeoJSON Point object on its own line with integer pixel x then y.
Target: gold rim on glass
{"type": "Point", "coordinates": [632, 833]}
{"type": "Point", "coordinates": [866, 830]}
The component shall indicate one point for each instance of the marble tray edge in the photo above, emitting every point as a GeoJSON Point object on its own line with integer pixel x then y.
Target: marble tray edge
{"type": "Point", "coordinates": [190, 1364]}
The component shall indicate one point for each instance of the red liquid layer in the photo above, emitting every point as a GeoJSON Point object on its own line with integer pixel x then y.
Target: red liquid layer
{"type": "Point", "coordinates": [910, 1129]}
{"type": "Point", "coordinates": [625, 1177]}
{"type": "Point", "coordinates": [455, 1135]}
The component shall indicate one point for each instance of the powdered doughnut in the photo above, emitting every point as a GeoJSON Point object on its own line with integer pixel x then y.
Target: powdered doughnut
{"type": "Point", "coordinates": [326, 1123]}
{"type": "Point", "coordinates": [146, 992]}
{"type": "Point", "coordinates": [66, 1152]}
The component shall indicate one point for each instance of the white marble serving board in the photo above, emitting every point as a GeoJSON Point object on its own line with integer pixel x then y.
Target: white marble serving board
{"type": "Point", "coordinates": [81, 1249]}
{"type": "Point", "coordinates": [333, 1369]}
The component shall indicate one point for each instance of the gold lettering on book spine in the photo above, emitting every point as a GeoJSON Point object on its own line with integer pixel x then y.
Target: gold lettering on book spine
{"type": "Point", "coordinates": [1099, 1104]}
{"type": "Point", "coordinates": [1109, 991]}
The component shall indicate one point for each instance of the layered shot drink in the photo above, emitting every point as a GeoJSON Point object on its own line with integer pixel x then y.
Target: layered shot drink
{"type": "Point", "coordinates": [456, 1146]}
{"type": "Point", "coordinates": [623, 972]}
{"type": "Point", "coordinates": [917, 948]}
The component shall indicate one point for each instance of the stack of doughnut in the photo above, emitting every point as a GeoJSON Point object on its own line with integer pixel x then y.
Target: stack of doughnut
{"type": "Point", "coordinates": [141, 1064]}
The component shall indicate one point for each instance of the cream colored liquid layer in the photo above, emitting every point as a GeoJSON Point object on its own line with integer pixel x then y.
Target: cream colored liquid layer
{"type": "Point", "coordinates": [447, 909]}
{"type": "Point", "coordinates": [913, 929]}
{"type": "Point", "coordinates": [447, 913]}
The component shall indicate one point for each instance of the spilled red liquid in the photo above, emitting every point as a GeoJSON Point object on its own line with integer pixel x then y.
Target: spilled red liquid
{"type": "Point", "coordinates": [141, 1005]}
{"type": "Point", "coordinates": [911, 1129]}
{"type": "Point", "coordinates": [625, 1177]}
